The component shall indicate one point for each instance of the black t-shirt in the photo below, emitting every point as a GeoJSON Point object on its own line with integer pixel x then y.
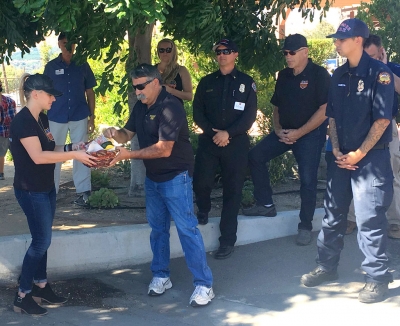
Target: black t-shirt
{"type": "Point", "coordinates": [165, 120]}
{"type": "Point", "coordinates": [299, 97]}
{"type": "Point", "coordinates": [28, 175]}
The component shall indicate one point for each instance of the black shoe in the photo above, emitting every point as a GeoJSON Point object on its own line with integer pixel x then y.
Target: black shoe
{"type": "Point", "coordinates": [46, 294]}
{"type": "Point", "coordinates": [83, 199]}
{"type": "Point", "coordinates": [373, 292]}
{"type": "Point", "coordinates": [28, 305]}
{"type": "Point", "coordinates": [202, 218]}
{"type": "Point", "coordinates": [318, 276]}
{"type": "Point", "coordinates": [224, 252]}
{"type": "Point", "coordinates": [260, 210]}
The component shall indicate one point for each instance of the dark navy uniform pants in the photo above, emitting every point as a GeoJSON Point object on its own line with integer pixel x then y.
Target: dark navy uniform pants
{"type": "Point", "coordinates": [307, 152]}
{"type": "Point", "coordinates": [371, 186]}
{"type": "Point", "coordinates": [232, 160]}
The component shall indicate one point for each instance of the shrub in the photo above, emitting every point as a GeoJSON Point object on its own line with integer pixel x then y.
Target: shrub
{"type": "Point", "coordinates": [100, 179]}
{"type": "Point", "coordinates": [103, 198]}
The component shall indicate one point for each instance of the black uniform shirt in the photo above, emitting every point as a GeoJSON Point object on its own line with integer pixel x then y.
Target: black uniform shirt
{"type": "Point", "coordinates": [299, 97]}
{"type": "Point", "coordinates": [225, 102]}
{"type": "Point", "coordinates": [359, 96]}
{"type": "Point", "coordinates": [165, 120]}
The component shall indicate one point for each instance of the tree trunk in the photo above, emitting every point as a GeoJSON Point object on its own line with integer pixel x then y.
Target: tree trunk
{"type": "Point", "coordinates": [5, 78]}
{"type": "Point", "coordinates": [140, 52]}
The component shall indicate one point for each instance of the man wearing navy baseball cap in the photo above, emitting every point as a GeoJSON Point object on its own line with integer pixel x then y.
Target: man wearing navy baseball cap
{"type": "Point", "coordinates": [359, 108]}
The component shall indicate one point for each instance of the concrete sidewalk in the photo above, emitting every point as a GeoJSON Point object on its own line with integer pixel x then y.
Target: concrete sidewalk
{"type": "Point", "coordinates": [258, 285]}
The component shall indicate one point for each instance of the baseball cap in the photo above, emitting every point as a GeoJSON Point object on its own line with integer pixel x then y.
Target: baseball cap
{"type": "Point", "coordinates": [294, 42]}
{"type": "Point", "coordinates": [351, 28]}
{"type": "Point", "coordinates": [40, 82]}
{"type": "Point", "coordinates": [226, 42]}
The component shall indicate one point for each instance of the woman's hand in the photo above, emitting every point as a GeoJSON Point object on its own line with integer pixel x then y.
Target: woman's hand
{"type": "Point", "coordinates": [85, 158]}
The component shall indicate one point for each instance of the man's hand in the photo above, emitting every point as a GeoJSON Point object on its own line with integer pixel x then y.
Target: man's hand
{"type": "Point", "coordinates": [109, 132]}
{"type": "Point", "coordinates": [221, 138]}
{"type": "Point", "coordinates": [123, 154]}
{"type": "Point", "coordinates": [349, 160]}
{"type": "Point", "coordinates": [289, 136]}
{"type": "Point", "coordinates": [90, 126]}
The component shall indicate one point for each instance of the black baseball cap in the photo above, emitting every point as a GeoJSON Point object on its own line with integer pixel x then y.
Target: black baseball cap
{"type": "Point", "coordinates": [294, 42]}
{"type": "Point", "coordinates": [39, 82]}
{"type": "Point", "coordinates": [351, 28]}
{"type": "Point", "coordinates": [228, 43]}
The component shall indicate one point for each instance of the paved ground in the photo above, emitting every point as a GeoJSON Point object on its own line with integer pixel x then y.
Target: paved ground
{"type": "Point", "coordinates": [258, 285]}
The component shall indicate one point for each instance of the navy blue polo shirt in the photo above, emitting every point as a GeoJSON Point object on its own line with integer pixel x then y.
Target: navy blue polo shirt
{"type": "Point", "coordinates": [395, 68]}
{"type": "Point", "coordinates": [73, 81]}
{"type": "Point", "coordinates": [357, 97]}
{"type": "Point", "coordinates": [165, 120]}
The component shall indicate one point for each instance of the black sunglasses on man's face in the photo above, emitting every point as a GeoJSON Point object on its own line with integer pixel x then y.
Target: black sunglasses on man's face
{"type": "Point", "coordinates": [142, 86]}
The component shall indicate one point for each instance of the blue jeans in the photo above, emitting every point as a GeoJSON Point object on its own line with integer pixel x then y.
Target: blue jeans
{"type": "Point", "coordinates": [174, 198]}
{"type": "Point", "coordinates": [307, 152]}
{"type": "Point", "coordinates": [371, 187]}
{"type": "Point", "coordinates": [39, 208]}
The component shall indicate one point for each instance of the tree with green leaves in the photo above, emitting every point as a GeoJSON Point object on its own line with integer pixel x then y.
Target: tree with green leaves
{"type": "Point", "coordinates": [100, 27]}
{"type": "Point", "coordinates": [383, 19]}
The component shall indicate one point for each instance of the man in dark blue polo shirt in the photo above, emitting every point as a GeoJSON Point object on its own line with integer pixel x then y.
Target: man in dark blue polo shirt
{"type": "Point", "coordinates": [299, 100]}
{"type": "Point", "coordinates": [73, 111]}
{"type": "Point", "coordinates": [159, 120]}
{"type": "Point", "coordinates": [360, 112]}
{"type": "Point", "coordinates": [373, 46]}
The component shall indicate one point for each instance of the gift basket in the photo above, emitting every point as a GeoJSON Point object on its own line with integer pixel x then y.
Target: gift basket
{"type": "Point", "coordinates": [102, 148]}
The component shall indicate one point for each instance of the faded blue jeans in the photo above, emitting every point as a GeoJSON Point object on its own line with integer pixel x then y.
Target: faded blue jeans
{"type": "Point", "coordinates": [174, 198]}
{"type": "Point", "coordinates": [39, 208]}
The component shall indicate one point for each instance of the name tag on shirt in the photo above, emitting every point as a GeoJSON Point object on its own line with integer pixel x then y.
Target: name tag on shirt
{"type": "Point", "coordinates": [239, 106]}
{"type": "Point", "coordinates": [59, 72]}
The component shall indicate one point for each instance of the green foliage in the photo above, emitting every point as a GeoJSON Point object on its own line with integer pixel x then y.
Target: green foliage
{"type": "Point", "coordinates": [247, 194]}
{"type": "Point", "coordinates": [321, 50]}
{"type": "Point", "coordinates": [46, 52]}
{"type": "Point", "coordinates": [9, 156]}
{"type": "Point", "coordinates": [124, 167]}
{"type": "Point", "coordinates": [387, 13]}
{"type": "Point", "coordinates": [100, 179]}
{"type": "Point", "coordinates": [103, 198]}
{"type": "Point", "coordinates": [320, 31]}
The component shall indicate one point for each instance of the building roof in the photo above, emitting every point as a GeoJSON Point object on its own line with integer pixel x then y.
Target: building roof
{"type": "Point", "coordinates": [345, 3]}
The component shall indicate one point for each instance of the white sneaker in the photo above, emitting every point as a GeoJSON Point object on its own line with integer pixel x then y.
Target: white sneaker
{"type": "Point", "coordinates": [201, 296]}
{"type": "Point", "coordinates": [158, 285]}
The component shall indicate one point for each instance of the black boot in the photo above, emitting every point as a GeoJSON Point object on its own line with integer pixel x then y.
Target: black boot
{"type": "Point", "coordinates": [28, 305]}
{"type": "Point", "coordinates": [46, 294]}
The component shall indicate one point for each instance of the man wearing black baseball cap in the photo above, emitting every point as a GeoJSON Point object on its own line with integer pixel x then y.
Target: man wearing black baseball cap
{"type": "Point", "coordinates": [299, 100]}
{"type": "Point", "coordinates": [224, 107]}
{"type": "Point", "coordinates": [360, 111]}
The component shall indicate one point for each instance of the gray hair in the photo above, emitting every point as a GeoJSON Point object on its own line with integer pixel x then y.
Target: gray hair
{"type": "Point", "coordinates": [146, 70]}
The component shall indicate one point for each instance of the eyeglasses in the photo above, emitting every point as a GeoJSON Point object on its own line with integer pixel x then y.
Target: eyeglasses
{"type": "Point", "coordinates": [224, 51]}
{"type": "Point", "coordinates": [285, 53]}
{"type": "Point", "coordinates": [162, 50]}
{"type": "Point", "coordinates": [141, 87]}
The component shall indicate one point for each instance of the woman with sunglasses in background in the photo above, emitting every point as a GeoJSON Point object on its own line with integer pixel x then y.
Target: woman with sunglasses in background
{"type": "Point", "coordinates": [35, 154]}
{"type": "Point", "coordinates": [176, 78]}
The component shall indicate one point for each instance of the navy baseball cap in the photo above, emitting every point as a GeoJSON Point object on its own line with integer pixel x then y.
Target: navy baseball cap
{"type": "Point", "coordinates": [40, 82]}
{"type": "Point", "coordinates": [226, 42]}
{"type": "Point", "coordinates": [351, 28]}
{"type": "Point", "coordinates": [294, 42]}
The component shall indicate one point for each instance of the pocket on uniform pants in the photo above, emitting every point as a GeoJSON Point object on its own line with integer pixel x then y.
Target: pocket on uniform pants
{"type": "Point", "coordinates": [383, 191]}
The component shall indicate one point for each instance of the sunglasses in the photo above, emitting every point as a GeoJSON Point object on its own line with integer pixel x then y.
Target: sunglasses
{"type": "Point", "coordinates": [162, 50]}
{"type": "Point", "coordinates": [141, 87]}
{"type": "Point", "coordinates": [285, 53]}
{"type": "Point", "coordinates": [224, 51]}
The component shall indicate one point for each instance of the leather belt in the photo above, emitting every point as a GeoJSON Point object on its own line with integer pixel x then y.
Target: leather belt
{"type": "Point", "coordinates": [381, 146]}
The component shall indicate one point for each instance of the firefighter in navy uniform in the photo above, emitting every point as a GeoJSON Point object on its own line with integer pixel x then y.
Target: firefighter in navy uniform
{"type": "Point", "coordinates": [360, 112]}
{"type": "Point", "coordinates": [224, 107]}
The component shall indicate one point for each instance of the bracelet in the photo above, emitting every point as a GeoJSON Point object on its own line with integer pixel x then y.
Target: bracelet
{"type": "Point", "coordinates": [68, 148]}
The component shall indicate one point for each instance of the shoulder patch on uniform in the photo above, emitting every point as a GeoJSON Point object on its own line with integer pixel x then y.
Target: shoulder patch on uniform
{"type": "Point", "coordinates": [254, 87]}
{"type": "Point", "coordinates": [384, 78]}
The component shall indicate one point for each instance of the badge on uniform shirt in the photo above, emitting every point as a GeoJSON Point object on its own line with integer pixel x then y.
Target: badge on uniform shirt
{"type": "Point", "coordinates": [303, 84]}
{"type": "Point", "coordinates": [242, 88]}
{"type": "Point", "coordinates": [360, 86]}
{"type": "Point", "coordinates": [384, 78]}
{"type": "Point", "coordinates": [254, 87]}
{"type": "Point", "coordinates": [59, 72]}
{"type": "Point", "coordinates": [152, 116]}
